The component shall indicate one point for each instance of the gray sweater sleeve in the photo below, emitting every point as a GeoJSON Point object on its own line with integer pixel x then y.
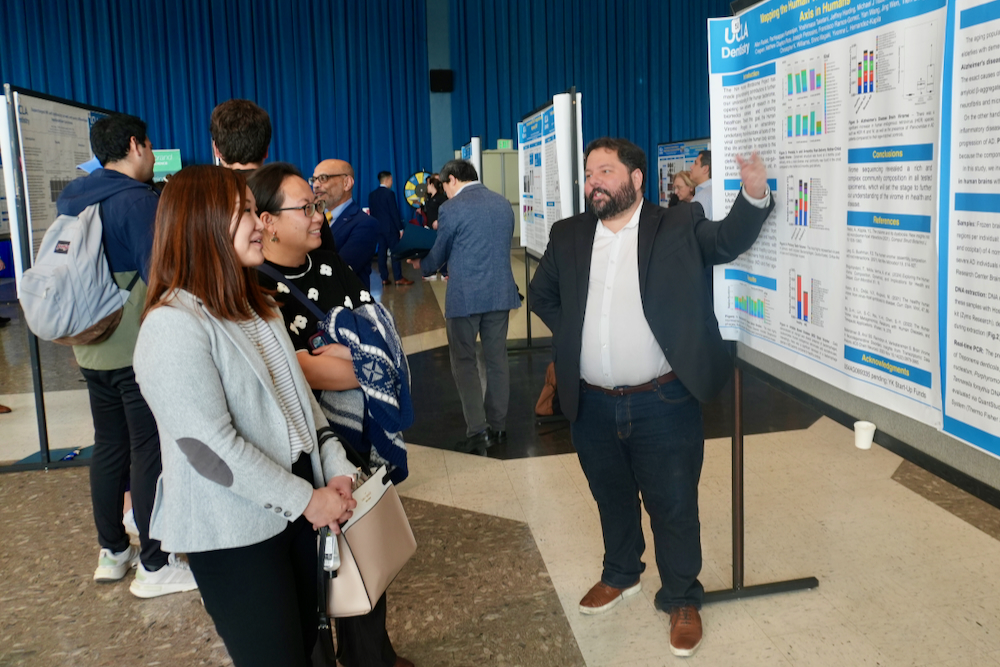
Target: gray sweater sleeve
{"type": "Point", "coordinates": [183, 386]}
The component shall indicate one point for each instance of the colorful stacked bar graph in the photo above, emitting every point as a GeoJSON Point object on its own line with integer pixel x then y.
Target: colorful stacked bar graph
{"type": "Point", "coordinates": [866, 72]}
{"type": "Point", "coordinates": [752, 307]}
{"type": "Point", "coordinates": [803, 300]}
{"type": "Point", "coordinates": [804, 81]}
{"type": "Point", "coordinates": [802, 205]}
{"type": "Point", "coordinates": [805, 125]}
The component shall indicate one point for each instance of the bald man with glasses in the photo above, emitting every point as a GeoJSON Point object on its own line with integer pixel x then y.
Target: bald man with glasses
{"type": "Point", "coordinates": [350, 232]}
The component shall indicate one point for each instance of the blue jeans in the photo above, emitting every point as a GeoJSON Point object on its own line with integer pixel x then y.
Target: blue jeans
{"type": "Point", "coordinates": [651, 443]}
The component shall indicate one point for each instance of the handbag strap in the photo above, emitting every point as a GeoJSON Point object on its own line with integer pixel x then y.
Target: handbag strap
{"type": "Point", "coordinates": [279, 277]}
{"type": "Point", "coordinates": [322, 590]}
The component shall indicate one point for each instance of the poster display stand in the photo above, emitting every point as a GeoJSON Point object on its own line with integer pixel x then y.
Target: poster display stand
{"type": "Point", "coordinates": [46, 137]}
{"type": "Point", "coordinates": [550, 166]}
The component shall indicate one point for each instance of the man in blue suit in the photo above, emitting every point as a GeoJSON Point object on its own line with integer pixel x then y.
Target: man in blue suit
{"type": "Point", "coordinates": [382, 206]}
{"type": "Point", "coordinates": [351, 233]}
{"type": "Point", "coordinates": [475, 227]}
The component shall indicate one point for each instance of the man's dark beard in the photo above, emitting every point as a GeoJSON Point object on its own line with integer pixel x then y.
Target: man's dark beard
{"type": "Point", "coordinates": [615, 203]}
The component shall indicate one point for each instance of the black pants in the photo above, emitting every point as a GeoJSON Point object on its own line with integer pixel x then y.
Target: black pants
{"type": "Point", "coordinates": [262, 597]}
{"type": "Point", "coordinates": [385, 246]}
{"type": "Point", "coordinates": [263, 600]}
{"type": "Point", "coordinates": [126, 446]}
{"type": "Point", "coordinates": [362, 640]}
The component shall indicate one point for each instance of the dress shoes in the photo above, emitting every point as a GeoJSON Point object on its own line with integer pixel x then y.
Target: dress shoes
{"type": "Point", "coordinates": [500, 437]}
{"type": "Point", "coordinates": [403, 282]}
{"type": "Point", "coordinates": [4, 409]}
{"type": "Point", "coordinates": [685, 631]}
{"type": "Point", "coordinates": [602, 597]}
{"type": "Point", "coordinates": [386, 282]}
{"type": "Point", "coordinates": [4, 321]}
{"type": "Point", "coordinates": [478, 443]}
{"type": "Point", "coordinates": [402, 662]}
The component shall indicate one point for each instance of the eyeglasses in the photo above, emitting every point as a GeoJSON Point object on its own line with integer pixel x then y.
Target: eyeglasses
{"type": "Point", "coordinates": [309, 209]}
{"type": "Point", "coordinates": [322, 178]}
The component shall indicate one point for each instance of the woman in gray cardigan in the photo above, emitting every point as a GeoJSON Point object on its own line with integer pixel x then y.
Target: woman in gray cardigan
{"type": "Point", "coordinates": [246, 480]}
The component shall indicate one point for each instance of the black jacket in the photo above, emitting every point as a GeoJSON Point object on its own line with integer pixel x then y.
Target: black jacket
{"type": "Point", "coordinates": [675, 247]}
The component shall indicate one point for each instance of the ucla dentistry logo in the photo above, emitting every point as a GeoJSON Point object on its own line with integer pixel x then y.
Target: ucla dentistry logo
{"type": "Point", "coordinates": [735, 33]}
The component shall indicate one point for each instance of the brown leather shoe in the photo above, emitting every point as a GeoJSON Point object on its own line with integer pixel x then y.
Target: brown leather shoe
{"type": "Point", "coordinates": [4, 409]}
{"type": "Point", "coordinates": [402, 662]}
{"type": "Point", "coordinates": [404, 281]}
{"type": "Point", "coordinates": [685, 631]}
{"type": "Point", "coordinates": [386, 282]}
{"type": "Point", "coordinates": [602, 597]}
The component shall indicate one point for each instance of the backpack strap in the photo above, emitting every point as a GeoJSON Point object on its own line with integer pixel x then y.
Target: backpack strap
{"type": "Point", "coordinates": [135, 278]}
{"type": "Point", "coordinates": [132, 282]}
{"type": "Point", "coordinates": [272, 272]}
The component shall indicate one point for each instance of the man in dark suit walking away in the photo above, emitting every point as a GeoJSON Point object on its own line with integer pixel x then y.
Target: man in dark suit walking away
{"type": "Point", "coordinates": [637, 346]}
{"type": "Point", "coordinates": [475, 227]}
{"type": "Point", "coordinates": [382, 206]}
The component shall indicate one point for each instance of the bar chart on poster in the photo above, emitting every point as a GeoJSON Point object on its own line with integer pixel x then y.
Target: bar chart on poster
{"type": "Point", "coordinates": [879, 121]}
{"type": "Point", "coordinates": [829, 95]}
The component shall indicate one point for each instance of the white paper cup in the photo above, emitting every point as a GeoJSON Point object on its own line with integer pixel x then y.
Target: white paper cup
{"type": "Point", "coordinates": [864, 433]}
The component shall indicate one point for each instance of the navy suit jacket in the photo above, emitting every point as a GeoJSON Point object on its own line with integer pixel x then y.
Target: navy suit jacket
{"type": "Point", "coordinates": [383, 207]}
{"type": "Point", "coordinates": [354, 236]}
{"type": "Point", "coordinates": [675, 247]}
{"type": "Point", "coordinates": [473, 238]}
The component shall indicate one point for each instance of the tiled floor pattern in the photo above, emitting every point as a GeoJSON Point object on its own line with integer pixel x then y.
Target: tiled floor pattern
{"type": "Point", "coordinates": [476, 591]}
{"type": "Point", "coordinates": [902, 581]}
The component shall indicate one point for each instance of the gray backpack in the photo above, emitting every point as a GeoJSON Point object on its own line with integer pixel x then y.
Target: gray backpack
{"type": "Point", "coordinates": [70, 295]}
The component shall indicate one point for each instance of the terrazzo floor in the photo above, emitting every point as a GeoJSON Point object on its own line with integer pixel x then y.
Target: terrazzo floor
{"type": "Point", "coordinates": [509, 544]}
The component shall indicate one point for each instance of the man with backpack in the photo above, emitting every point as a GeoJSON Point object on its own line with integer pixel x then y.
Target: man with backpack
{"type": "Point", "coordinates": [126, 442]}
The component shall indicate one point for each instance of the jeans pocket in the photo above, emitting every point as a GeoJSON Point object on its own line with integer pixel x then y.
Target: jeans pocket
{"type": "Point", "coordinates": [673, 393]}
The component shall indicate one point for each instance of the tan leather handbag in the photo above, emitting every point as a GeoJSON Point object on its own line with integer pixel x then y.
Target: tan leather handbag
{"type": "Point", "coordinates": [374, 546]}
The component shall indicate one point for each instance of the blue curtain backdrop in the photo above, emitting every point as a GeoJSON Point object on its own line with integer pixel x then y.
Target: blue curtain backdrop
{"type": "Point", "coordinates": [641, 66]}
{"type": "Point", "coordinates": [339, 79]}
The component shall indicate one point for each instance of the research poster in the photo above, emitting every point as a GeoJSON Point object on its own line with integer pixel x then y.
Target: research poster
{"type": "Point", "coordinates": [970, 266]}
{"type": "Point", "coordinates": [546, 167]}
{"type": "Point", "coordinates": [534, 234]}
{"type": "Point", "coordinates": [4, 218]}
{"type": "Point", "coordinates": [54, 138]}
{"type": "Point", "coordinates": [673, 158]}
{"type": "Point", "coordinates": [841, 98]}
{"type": "Point", "coordinates": [473, 152]}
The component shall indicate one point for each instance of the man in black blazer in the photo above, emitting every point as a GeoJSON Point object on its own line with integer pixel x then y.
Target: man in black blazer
{"type": "Point", "coordinates": [383, 207]}
{"type": "Point", "coordinates": [637, 346]}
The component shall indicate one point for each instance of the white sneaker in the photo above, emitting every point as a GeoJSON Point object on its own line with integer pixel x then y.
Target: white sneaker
{"type": "Point", "coordinates": [129, 522]}
{"type": "Point", "coordinates": [174, 577]}
{"type": "Point", "coordinates": [112, 566]}
{"type": "Point", "coordinates": [429, 278]}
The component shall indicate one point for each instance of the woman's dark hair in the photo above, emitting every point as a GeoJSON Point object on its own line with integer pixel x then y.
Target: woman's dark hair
{"type": "Point", "coordinates": [436, 182]}
{"type": "Point", "coordinates": [193, 246]}
{"type": "Point", "coordinates": [265, 184]}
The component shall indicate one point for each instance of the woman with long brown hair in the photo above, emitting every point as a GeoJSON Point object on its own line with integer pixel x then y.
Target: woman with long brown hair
{"type": "Point", "coordinates": [242, 490]}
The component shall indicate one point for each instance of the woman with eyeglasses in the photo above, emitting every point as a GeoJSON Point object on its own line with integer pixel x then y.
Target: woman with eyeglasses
{"type": "Point", "coordinates": [292, 220]}
{"type": "Point", "coordinates": [246, 478]}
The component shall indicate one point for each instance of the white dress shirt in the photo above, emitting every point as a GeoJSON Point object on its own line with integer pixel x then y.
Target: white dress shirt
{"type": "Point", "coordinates": [618, 346]}
{"type": "Point", "coordinates": [619, 349]}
